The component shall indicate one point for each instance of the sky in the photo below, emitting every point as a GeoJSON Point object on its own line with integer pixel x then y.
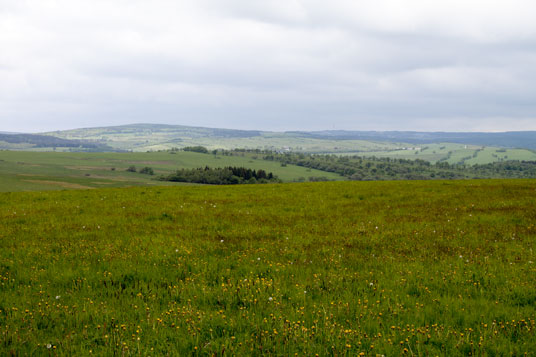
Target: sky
{"type": "Point", "coordinates": [457, 65]}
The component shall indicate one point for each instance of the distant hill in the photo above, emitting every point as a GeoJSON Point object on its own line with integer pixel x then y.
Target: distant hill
{"type": "Point", "coordinates": [149, 129]}
{"type": "Point", "coordinates": [29, 141]}
{"type": "Point", "coordinates": [511, 139]}
{"type": "Point", "coordinates": [163, 133]}
{"type": "Point", "coordinates": [144, 137]}
{"type": "Point", "coordinates": [466, 148]}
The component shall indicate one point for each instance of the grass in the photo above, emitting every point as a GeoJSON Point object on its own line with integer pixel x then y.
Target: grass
{"type": "Point", "coordinates": [28, 171]}
{"type": "Point", "coordinates": [338, 268]}
{"type": "Point", "coordinates": [491, 154]}
{"type": "Point", "coordinates": [147, 137]}
{"type": "Point", "coordinates": [455, 153]}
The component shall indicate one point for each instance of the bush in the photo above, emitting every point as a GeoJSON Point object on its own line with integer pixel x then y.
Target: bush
{"type": "Point", "coordinates": [200, 149]}
{"type": "Point", "coordinates": [147, 170]}
{"type": "Point", "coordinates": [131, 168]}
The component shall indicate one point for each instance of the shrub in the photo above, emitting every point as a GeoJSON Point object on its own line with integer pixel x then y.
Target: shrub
{"type": "Point", "coordinates": [147, 170]}
{"type": "Point", "coordinates": [200, 149]}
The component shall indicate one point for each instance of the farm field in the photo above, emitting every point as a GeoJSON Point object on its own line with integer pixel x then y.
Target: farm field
{"type": "Point", "coordinates": [332, 268]}
{"type": "Point", "coordinates": [455, 153]}
{"type": "Point", "coordinates": [30, 171]}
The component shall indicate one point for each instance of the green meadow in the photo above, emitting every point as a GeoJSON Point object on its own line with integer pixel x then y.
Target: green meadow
{"type": "Point", "coordinates": [30, 171]}
{"type": "Point", "coordinates": [455, 153]}
{"type": "Point", "coordinates": [333, 268]}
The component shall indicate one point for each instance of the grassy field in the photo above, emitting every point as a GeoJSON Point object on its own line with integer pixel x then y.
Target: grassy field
{"type": "Point", "coordinates": [337, 268]}
{"type": "Point", "coordinates": [30, 171]}
{"type": "Point", "coordinates": [455, 153]}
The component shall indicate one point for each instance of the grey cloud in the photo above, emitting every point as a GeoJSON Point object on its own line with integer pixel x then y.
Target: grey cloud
{"type": "Point", "coordinates": [268, 65]}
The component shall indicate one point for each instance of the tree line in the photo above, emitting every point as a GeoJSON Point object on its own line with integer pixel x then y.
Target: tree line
{"type": "Point", "coordinates": [373, 168]}
{"type": "Point", "coordinates": [356, 167]}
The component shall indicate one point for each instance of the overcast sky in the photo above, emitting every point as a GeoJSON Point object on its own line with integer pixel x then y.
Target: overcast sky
{"type": "Point", "coordinates": [457, 65]}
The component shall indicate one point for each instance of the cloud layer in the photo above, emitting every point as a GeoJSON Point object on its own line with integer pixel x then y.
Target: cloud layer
{"type": "Point", "coordinates": [276, 65]}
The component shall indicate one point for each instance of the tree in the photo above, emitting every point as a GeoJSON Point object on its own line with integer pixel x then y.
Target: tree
{"type": "Point", "coordinates": [200, 149]}
{"type": "Point", "coordinates": [147, 170]}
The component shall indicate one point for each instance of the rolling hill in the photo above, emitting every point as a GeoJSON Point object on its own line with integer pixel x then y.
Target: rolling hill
{"type": "Point", "coordinates": [453, 148]}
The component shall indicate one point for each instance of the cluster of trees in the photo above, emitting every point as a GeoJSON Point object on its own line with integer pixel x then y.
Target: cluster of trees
{"type": "Point", "coordinates": [200, 149]}
{"type": "Point", "coordinates": [352, 167]}
{"type": "Point", "coordinates": [221, 176]}
{"type": "Point", "coordinates": [145, 170]}
{"type": "Point", "coordinates": [373, 168]}
{"type": "Point", "coordinates": [359, 168]}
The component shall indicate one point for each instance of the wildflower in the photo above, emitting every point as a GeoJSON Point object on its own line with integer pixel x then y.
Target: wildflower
{"type": "Point", "coordinates": [258, 258]}
{"type": "Point", "coordinates": [270, 298]}
{"type": "Point", "coordinates": [371, 284]}
{"type": "Point", "coordinates": [49, 346]}
{"type": "Point", "coordinates": [58, 297]}
{"type": "Point", "coordinates": [221, 241]}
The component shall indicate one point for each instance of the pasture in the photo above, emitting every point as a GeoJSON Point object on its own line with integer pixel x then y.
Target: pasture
{"type": "Point", "coordinates": [332, 268]}
{"type": "Point", "coordinates": [455, 153]}
{"type": "Point", "coordinates": [30, 171]}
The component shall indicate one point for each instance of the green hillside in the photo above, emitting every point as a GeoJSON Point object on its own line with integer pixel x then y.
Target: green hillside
{"type": "Point", "coordinates": [456, 153]}
{"type": "Point", "coordinates": [146, 137]}
{"type": "Point", "coordinates": [468, 148]}
{"type": "Point", "coordinates": [25, 170]}
{"type": "Point", "coordinates": [340, 269]}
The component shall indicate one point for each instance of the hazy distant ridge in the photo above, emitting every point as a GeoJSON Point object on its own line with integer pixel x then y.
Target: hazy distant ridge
{"type": "Point", "coordinates": [147, 137]}
{"type": "Point", "coordinates": [514, 139]}
{"type": "Point", "coordinates": [45, 141]}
